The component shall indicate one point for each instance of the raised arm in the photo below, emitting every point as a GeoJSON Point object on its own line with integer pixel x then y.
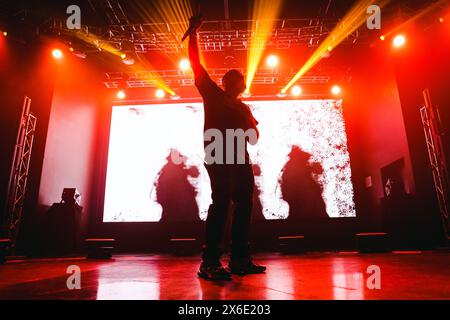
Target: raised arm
{"type": "Point", "coordinates": [194, 55]}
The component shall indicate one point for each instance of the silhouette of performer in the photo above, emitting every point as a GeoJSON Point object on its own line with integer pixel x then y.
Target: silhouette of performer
{"type": "Point", "coordinates": [299, 189]}
{"type": "Point", "coordinates": [229, 182]}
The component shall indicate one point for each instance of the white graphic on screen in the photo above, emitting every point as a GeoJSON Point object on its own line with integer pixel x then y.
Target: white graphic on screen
{"type": "Point", "coordinates": [142, 137]}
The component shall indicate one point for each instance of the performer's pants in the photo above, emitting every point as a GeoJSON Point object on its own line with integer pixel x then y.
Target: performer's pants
{"type": "Point", "coordinates": [229, 183]}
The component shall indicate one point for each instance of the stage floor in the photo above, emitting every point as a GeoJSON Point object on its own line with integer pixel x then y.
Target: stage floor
{"type": "Point", "coordinates": [406, 275]}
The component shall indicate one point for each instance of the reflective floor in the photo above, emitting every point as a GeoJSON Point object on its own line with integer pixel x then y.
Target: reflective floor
{"type": "Point", "coordinates": [346, 275]}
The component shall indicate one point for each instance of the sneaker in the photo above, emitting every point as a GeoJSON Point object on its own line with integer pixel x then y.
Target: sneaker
{"type": "Point", "coordinates": [245, 267]}
{"type": "Point", "coordinates": [213, 272]}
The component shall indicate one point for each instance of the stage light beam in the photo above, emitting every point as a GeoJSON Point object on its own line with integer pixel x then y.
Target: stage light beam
{"type": "Point", "coordinates": [246, 94]}
{"type": "Point", "coordinates": [176, 11]}
{"type": "Point", "coordinates": [281, 94]}
{"type": "Point", "coordinates": [264, 15]}
{"type": "Point", "coordinates": [353, 19]}
{"type": "Point", "coordinates": [430, 8]}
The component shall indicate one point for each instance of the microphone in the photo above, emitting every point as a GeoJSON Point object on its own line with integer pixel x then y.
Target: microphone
{"type": "Point", "coordinates": [192, 26]}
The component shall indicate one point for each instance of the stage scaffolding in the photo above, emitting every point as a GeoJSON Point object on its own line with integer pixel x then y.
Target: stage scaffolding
{"type": "Point", "coordinates": [433, 136]}
{"type": "Point", "coordinates": [19, 171]}
{"type": "Point", "coordinates": [226, 36]}
{"type": "Point", "coordinates": [178, 78]}
{"type": "Point", "coordinates": [219, 35]}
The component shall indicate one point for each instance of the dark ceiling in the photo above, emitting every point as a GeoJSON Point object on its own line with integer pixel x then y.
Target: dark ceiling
{"type": "Point", "coordinates": [98, 12]}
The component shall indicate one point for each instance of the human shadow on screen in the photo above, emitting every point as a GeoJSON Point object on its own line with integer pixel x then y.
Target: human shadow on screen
{"type": "Point", "coordinates": [299, 188]}
{"type": "Point", "coordinates": [175, 194]}
{"type": "Point", "coordinates": [257, 211]}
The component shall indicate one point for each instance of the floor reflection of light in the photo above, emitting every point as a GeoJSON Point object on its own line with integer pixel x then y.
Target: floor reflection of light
{"type": "Point", "coordinates": [211, 290]}
{"type": "Point", "coordinates": [347, 284]}
{"type": "Point", "coordinates": [279, 282]}
{"type": "Point", "coordinates": [122, 282]}
{"type": "Point", "coordinates": [127, 290]}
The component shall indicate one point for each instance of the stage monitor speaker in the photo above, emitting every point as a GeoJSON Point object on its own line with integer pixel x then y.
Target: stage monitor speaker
{"type": "Point", "coordinates": [184, 246]}
{"type": "Point", "coordinates": [62, 229]}
{"type": "Point", "coordinates": [291, 244]}
{"type": "Point", "coordinates": [5, 245]}
{"type": "Point", "coordinates": [99, 248]}
{"type": "Point", "coordinates": [376, 242]}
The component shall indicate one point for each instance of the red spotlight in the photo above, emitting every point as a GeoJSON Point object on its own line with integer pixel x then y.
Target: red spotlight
{"type": "Point", "coordinates": [441, 20]}
{"type": "Point", "coordinates": [382, 38]}
{"type": "Point", "coordinates": [296, 91]}
{"type": "Point", "coordinates": [399, 41]}
{"type": "Point", "coordinates": [184, 64]}
{"type": "Point", "coordinates": [57, 54]}
{"type": "Point", "coordinates": [160, 93]}
{"type": "Point", "coordinates": [121, 94]}
{"type": "Point", "coordinates": [272, 61]}
{"type": "Point", "coordinates": [4, 33]}
{"type": "Point", "coordinates": [336, 90]}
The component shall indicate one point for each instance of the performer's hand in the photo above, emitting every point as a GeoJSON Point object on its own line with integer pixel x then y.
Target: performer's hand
{"type": "Point", "coordinates": [195, 22]}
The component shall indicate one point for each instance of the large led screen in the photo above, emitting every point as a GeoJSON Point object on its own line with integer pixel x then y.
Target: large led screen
{"type": "Point", "coordinates": [301, 162]}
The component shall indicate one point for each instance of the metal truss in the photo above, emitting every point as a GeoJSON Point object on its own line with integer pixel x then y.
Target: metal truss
{"type": "Point", "coordinates": [215, 35]}
{"type": "Point", "coordinates": [433, 137]}
{"type": "Point", "coordinates": [112, 9]}
{"type": "Point", "coordinates": [224, 35]}
{"type": "Point", "coordinates": [19, 170]}
{"type": "Point", "coordinates": [177, 78]}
